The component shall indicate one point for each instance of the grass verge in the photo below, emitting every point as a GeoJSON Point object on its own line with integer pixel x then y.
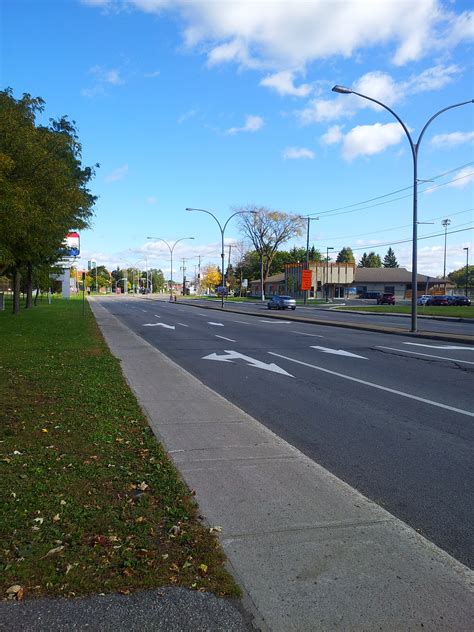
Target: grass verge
{"type": "Point", "coordinates": [423, 310]}
{"type": "Point", "coordinates": [91, 503]}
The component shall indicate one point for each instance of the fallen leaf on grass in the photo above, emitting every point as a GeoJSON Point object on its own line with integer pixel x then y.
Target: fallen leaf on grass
{"type": "Point", "coordinates": [215, 529]}
{"type": "Point", "coordinates": [174, 531]}
{"type": "Point", "coordinates": [56, 518]}
{"type": "Point", "coordinates": [203, 568]}
{"type": "Point", "coordinates": [15, 592]}
{"type": "Point", "coordinates": [44, 430]}
{"type": "Point", "coordinates": [142, 486]}
{"type": "Point", "coordinates": [40, 520]}
{"type": "Point", "coordinates": [54, 551]}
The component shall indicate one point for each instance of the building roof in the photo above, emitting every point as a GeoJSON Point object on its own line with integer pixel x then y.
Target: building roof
{"type": "Point", "coordinates": [389, 275]}
{"type": "Point", "coordinates": [275, 278]}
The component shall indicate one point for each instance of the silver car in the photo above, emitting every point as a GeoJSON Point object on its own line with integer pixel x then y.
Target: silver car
{"type": "Point", "coordinates": [281, 302]}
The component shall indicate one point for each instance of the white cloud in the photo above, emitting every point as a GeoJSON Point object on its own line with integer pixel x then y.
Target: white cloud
{"type": "Point", "coordinates": [293, 33]}
{"type": "Point", "coordinates": [367, 140]}
{"type": "Point", "coordinates": [462, 178]}
{"type": "Point", "coordinates": [102, 77]}
{"type": "Point", "coordinates": [252, 124]}
{"type": "Point", "coordinates": [283, 83]}
{"type": "Point", "coordinates": [332, 136]}
{"type": "Point", "coordinates": [380, 86]}
{"type": "Point", "coordinates": [293, 153]}
{"type": "Point", "coordinates": [186, 116]}
{"type": "Point", "coordinates": [153, 74]}
{"type": "Point", "coordinates": [118, 174]}
{"type": "Point", "coordinates": [450, 140]}
{"type": "Point", "coordinates": [152, 199]}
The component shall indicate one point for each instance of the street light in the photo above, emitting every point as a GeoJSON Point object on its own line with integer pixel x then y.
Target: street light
{"type": "Point", "coordinates": [310, 219]}
{"type": "Point", "coordinates": [414, 150]}
{"type": "Point", "coordinates": [171, 248]}
{"type": "Point", "coordinates": [327, 271]}
{"type": "Point", "coordinates": [222, 229]}
{"type": "Point", "coordinates": [467, 270]}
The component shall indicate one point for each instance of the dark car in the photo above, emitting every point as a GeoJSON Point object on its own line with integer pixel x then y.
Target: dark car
{"type": "Point", "coordinates": [281, 302]}
{"type": "Point", "coordinates": [458, 300]}
{"type": "Point", "coordinates": [386, 299]}
{"type": "Point", "coordinates": [438, 300]}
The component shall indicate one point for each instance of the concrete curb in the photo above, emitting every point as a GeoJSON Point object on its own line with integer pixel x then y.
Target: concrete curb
{"type": "Point", "coordinates": [311, 552]}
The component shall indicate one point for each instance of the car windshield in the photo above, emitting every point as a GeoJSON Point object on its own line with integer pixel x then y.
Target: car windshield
{"type": "Point", "coordinates": [286, 298]}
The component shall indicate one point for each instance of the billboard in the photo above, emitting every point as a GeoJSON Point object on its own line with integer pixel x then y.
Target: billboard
{"type": "Point", "coordinates": [306, 278]}
{"type": "Point", "coordinates": [72, 244]}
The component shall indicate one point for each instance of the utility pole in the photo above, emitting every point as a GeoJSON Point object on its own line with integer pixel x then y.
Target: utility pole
{"type": "Point", "coordinates": [446, 222]}
{"type": "Point", "coordinates": [199, 276]}
{"type": "Point", "coordinates": [184, 276]}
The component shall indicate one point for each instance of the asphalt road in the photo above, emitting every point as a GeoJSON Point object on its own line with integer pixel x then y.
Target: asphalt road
{"type": "Point", "coordinates": [391, 417]}
{"type": "Point", "coordinates": [399, 321]}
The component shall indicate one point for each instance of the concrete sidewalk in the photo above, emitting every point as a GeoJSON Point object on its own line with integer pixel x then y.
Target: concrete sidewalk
{"type": "Point", "coordinates": [310, 552]}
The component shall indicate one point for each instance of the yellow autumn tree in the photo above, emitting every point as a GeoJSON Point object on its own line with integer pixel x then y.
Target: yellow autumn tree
{"type": "Point", "coordinates": [210, 277]}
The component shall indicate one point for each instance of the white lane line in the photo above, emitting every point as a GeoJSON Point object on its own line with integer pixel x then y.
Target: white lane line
{"type": "Point", "coordinates": [156, 315]}
{"type": "Point", "coordinates": [159, 325]}
{"type": "Point", "coordinates": [183, 325]}
{"type": "Point", "coordinates": [242, 322]}
{"type": "Point", "coordinates": [426, 355]}
{"type": "Point", "coordinates": [418, 344]}
{"type": "Point", "coordinates": [210, 322]}
{"type": "Point", "coordinates": [144, 310]}
{"type": "Point", "coordinates": [224, 338]}
{"type": "Point", "coordinates": [377, 386]}
{"type": "Point", "coordinates": [303, 333]}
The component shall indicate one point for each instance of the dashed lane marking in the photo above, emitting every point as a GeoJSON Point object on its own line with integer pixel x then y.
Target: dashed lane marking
{"type": "Point", "coordinates": [426, 355]}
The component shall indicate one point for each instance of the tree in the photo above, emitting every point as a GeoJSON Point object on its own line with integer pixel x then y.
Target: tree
{"type": "Point", "coordinates": [370, 260]}
{"type": "Point", "coordinates": [210, 277]}
{"type": "Point", "coordinates": [458, 277]}
{"type": "Point", "coordinates": [390, 260]}
{"type": "Point", "coordinates": [267, 230]}
{"type": "Point", "coordinates": [345, 255]}
{"type": "Point", "coordinates": [157, 279]}
{"type": "Point", "coordinates": [43, 188]}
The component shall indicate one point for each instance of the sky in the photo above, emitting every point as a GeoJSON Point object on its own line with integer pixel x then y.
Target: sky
{"type": "Point", "coordinates": [223, 104]}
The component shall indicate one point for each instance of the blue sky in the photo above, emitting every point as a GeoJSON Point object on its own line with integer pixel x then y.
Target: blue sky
{"type": "Point", "coordinates": [222, 104]}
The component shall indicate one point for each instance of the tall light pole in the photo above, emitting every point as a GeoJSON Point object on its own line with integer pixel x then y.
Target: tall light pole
{"type": "Point", "coordinates": [445, 223]}
{"type": "Point", "coordinates": [467, 270]}
{"type": "Point", "coordinates": [414, 150]}
{"type": "Point", "coordinates": [222, 229]}
{"type": "Point", "coordinates": [327, 272]}
{"type": "Point", "coordinates": [170, 248]}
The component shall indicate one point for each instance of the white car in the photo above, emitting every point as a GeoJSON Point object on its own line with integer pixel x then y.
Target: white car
{"type": "Point", "coordinates": [422, 300]}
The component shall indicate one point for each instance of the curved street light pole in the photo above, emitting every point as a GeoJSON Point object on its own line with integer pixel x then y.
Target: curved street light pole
{"type": "Point", "coordinates": [170, 248]}
{"type": "Point", "coordinates": [414, 150]}
{"type": "Point", "coordinates": [222, 229]}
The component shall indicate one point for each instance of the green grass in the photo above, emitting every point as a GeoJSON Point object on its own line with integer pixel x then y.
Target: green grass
{"type": "Point", "coordinates": [91, 503]}
{"type": "Point", "coordinates": [423, 310]}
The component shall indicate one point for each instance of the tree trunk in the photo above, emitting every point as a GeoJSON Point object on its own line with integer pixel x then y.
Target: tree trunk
{"type": "Point", "coordinates": [36, 296]}
{"type": "Point", "coordinates": [16, 290]}
{"type": "Point", "coordinates": [29, 286]}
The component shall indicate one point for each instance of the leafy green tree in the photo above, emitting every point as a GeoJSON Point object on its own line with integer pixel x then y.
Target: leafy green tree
{"type": "Point", "coordinates": [156, 278]}
{"type": "Point", "coordinates": [370, 260]}
{"type": "Point", "coordinates": [458, 277]}
{"type": "Point", "coordinates": [345, 255]}
{"type": "Point", "coordinates": [43, 188]}
{"type": "Point", "coordinates": [390, 260]}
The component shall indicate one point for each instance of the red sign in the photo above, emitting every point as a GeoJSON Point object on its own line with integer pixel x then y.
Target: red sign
{"type": "Point", "coordinates": [306, 279]}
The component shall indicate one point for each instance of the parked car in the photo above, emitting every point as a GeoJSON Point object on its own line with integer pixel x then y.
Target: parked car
{"type": "Point", "coordinates": [281, 302]}
{"type": "Point", "coordinates": [423, 300]}
{"type": "Point", "coordinates": [386, 299]}
{"type": "Point", "coordinates": [458, 300]}
{"type": "Point", "coordinates": [438, 300]}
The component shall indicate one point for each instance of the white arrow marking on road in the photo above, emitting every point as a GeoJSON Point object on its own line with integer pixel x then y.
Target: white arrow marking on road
{"type": "Point", "coordinates": [340, 352]}
{"type": "Point", "coordinates": [159, 325]}
{"type": "Point", "coordinates": [224, 338]}
{"type": "Point", "coordinates": [418, 344]}
{"type": "Point", "coordinates": [215, 324]}
{"type": "Point", "coordinates": [235, 355]}
{"type": "Point", "coordinates": [285, 322]}
{"type": "Point", "coordinates": [183, 325]}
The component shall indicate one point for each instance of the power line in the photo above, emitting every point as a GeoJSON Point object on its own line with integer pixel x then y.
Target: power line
{"type": "Point", "coordinates": [451, 214]}
{"type": "Point", "coordinates": [405, 241]}
{"type": "Point", "coordinates": [379, 197]}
